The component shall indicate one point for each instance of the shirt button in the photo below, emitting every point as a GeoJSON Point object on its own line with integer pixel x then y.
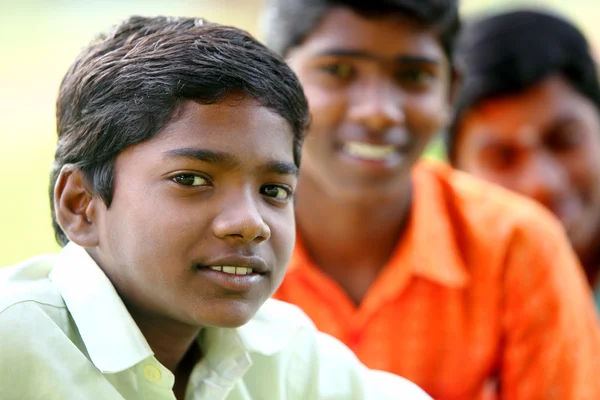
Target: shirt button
{"type": "Point", "coordinates": [152, 373]}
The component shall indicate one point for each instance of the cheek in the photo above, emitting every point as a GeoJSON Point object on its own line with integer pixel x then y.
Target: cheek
{"type": "Point", "coordinates": [584, 169]}
{"type": "Point", "coordinates": [472, 166]}
{"type": "Point", "coordinates": [426, 114]}
{"type": "Point", "coordinates": [472, 161]}
{"type": "Point", "coordinates": [512, 180]}
{"type": "Point", "coordinates": [152, 231]}
{"type": "Point", "coordinates": [327, 108]}
{"type": "Point", "coordinates": [283, 236]}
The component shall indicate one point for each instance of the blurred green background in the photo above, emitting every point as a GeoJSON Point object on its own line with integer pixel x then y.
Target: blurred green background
{"type": "Point", "coordinates": [38, 41]}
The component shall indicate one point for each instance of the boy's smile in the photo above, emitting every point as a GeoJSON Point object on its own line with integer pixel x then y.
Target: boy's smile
{"type": "Point", "coordinates": [378, 92]}
{"type": "Point", "coordinates": [201, 225]}
{"type": "Point", "coordinates": [234, 272]}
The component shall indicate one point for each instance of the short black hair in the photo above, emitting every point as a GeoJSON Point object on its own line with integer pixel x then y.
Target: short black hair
{"type": "Point", "coordinates": [127, 85]}
{"type": "Point", "coordinates": [287, 23]}
{"type": "Point", "coordinates": [507, 53]}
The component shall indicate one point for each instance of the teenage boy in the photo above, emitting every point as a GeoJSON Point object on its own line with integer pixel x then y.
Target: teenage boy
{"type": "Point", "coordinates": [179, 143]}
{"type": "Point", "coordinates": [528, 118]}
{"type": "Point", "coordinates": [457, 285]}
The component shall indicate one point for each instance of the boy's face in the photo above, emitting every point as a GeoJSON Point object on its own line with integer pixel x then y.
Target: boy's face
{"type": "Point", "coordinates": [378, 91]}
{"type": "Point", "coordinates": [544, 143]}
{"type": "Point", "coordinates": [211, 191]}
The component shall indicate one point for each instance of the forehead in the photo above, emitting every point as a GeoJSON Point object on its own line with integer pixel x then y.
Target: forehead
{"type": "Point", "coordinates": [238, 126]}
{"type": "Point", "coordinates": [342, 28]}
{"type": "Point", "coordinates": [535, 108]}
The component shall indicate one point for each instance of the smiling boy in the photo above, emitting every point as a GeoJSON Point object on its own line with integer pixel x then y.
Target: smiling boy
{"type": "Point", "coordinates": [423, 271]}
{"type": "Point", "coordinates": [528, 118]}
{"type": "Point", "coordinates": [178, 148]}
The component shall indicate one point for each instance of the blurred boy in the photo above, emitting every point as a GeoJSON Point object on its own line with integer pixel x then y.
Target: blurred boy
{"type": "Point", "coordinates": [421, 270]}
{"type": "Point", "coordinates": [529, 119]}
{"type": "Point", "coordinates": [179, 143]}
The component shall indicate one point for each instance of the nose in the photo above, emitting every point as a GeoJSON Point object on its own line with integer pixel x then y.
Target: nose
{"type": "Point", "coordinates": [240, 220]}
{"type": "Point", "coordinates": [545, 180]}
{"type": "Point", "coordinates": [376, 105]}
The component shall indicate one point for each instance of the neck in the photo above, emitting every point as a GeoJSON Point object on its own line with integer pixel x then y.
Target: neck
{"type": "Point", "coordinates": [351, 235]}
{"type": "Point", "coordinates": [169, 340]}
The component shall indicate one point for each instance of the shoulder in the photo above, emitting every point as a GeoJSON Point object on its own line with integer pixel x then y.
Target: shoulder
{"type": "Point", "coordinates": [30, 304]}
{"type": "Point", "coordinates": [488, 209]}
{"type": "Point", "coordinates": [32, 312]}
{"type": "Point", "coordinates": [28, 282]}
{"type": "Point", "coordinates": [42, 354]}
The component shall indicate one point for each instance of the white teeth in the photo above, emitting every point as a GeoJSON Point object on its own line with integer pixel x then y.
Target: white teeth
{"type": "Point", "coordinates": [369, 151]}
{"type": "Point", "coordinates": [233, 270]}
{"type": "Point", "coordinates": [229, 270]}
{"type": "Point", "coordinates": [243, 270]}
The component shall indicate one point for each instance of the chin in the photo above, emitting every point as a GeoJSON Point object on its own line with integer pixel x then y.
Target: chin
{"type": "Point", "coordinates": [232, 315]}
{"type": "Point", "coordinates": [355, 193]}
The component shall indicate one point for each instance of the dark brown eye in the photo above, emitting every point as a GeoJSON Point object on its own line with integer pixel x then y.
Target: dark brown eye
{"type": "Point", "coordinates": [502, 156]}
{"type": "Point", "coordinates": [339, 70]}
{"type": "Point", "coordinates": [415, 77]}
{"type": "Point", "coordinates": [563, 140]}
{"type": "Point", "coordinates": [190, 180]}
{"type": "Point", "coordinates": [277, 192]}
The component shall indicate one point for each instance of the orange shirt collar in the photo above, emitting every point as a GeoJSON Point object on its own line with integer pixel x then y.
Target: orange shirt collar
{"type": "Point", "coordinates": [428, 246]}
{"type": "Point", "coordinates": [429, 243]}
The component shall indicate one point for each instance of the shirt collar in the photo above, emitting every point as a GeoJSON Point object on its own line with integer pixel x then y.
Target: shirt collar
{"type": "Point", "coordinates": [112, 338]}
{"type": "Point", "coordinates": [429, 243]}
{"type": "Point", "coordinates": [428, 246]}
{"type": "Point", "coordinates": [227, 351]}
{"type": "Point", "coordinates": [272, 328]}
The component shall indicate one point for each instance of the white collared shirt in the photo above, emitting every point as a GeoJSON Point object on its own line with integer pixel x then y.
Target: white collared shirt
{"type": "Point", "coordinates": [66, 334]}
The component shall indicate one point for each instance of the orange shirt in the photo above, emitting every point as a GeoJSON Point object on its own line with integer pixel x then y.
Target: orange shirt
{"type": "Point", "coordinates": [482, 291]}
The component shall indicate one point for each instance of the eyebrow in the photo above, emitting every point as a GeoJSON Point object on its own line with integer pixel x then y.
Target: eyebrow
{"type": "Point", "coordinates": [281, 168]}
{"type": "Point", "coordinates": [405, 58]}
{"type": "Point", "coordinates": [228, 160]}
{"type": "Point", "coordinates": [207, 156]}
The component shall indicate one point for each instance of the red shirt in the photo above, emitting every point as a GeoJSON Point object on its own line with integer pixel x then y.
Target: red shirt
{"type": "Point", "coordinates": [482, 288]}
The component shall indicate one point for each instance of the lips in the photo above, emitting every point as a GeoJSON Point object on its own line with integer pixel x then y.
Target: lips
{"type": "Point", "coordinates": [234, 273]}
{"type": "Point", "coordinates": [236, 265]}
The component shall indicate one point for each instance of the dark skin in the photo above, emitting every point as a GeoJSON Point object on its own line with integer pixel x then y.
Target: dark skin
{"type": "Point", "coordinates": [379, 90]}
{"type": "Point", "coordinates": [544, 143]}
{"type": "Point", "coordinates": [175, 348]}
{"type": "Point", "coordinates": [214, 188]}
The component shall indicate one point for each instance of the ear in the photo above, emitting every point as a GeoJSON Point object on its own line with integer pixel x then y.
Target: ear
{"type": "Point", "coordinates": [75, 206]}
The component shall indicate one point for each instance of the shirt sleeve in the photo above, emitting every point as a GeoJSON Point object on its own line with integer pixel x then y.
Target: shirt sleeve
{"type": "Point", "coordinates": [551, 334]}
{"type": "Point", "coordinates": [331, 371]}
